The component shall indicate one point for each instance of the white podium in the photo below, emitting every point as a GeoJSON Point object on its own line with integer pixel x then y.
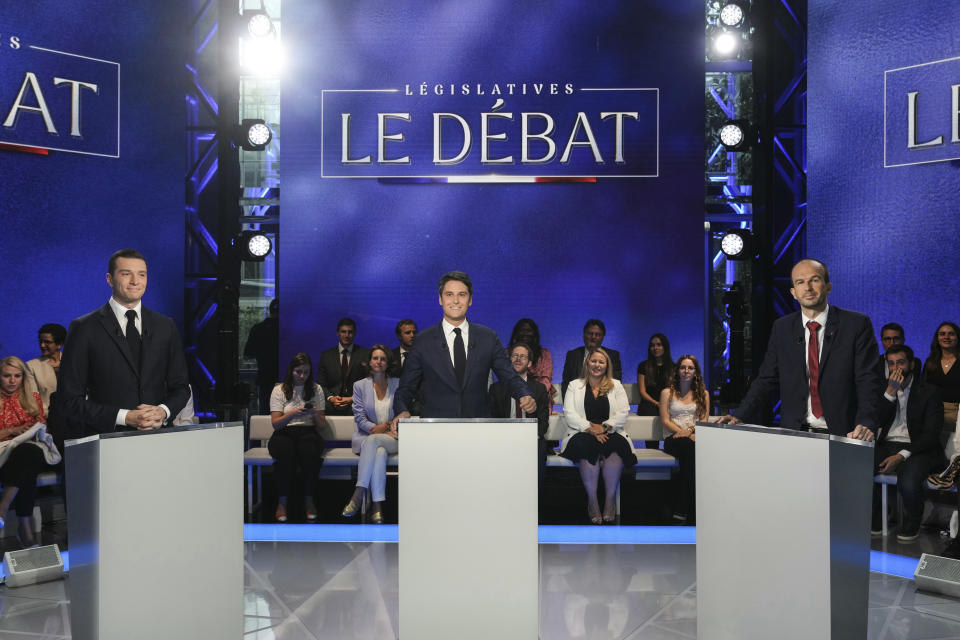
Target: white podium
{"type": "Point", "coordinates": [468, 551]}
{"type": "Point", "coordinates": [783, 534]}
{"type": "Point", "coordinates": [156, 533]}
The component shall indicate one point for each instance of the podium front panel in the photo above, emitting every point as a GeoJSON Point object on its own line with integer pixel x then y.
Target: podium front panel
{"type": "Point", "coordinates": [161, 532]}
{"type": "Point", "coordinates": [782, 534]}
{"type": "Point", "coordinates": [468, 551]}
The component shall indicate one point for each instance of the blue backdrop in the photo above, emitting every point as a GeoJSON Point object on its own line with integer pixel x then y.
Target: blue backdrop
{"type": "Point", "coordinates": [63, 214]}
{"type": "Point", "coordinates": [627, 250]}
{"type": "Point", "coordinates": [889, 235]}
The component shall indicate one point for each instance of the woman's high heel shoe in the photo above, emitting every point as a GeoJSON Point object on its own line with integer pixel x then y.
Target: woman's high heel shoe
{"type": "Point", "coordinates": [350, 510]}
{"type": "Point", "coordinates": [948, 477]}
{"type": "Point", "coordinates": [376, 517]}
{"type": "Point", "coordinates": [594, 516]}
{"type": "Point", "coordinates": [281, 514]}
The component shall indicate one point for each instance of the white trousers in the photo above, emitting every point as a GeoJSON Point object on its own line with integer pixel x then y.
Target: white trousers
{"type": "Point", "coordinates": [372, 471]}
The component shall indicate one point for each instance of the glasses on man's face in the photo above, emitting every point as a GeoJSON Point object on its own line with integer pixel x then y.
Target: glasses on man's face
{"type": "Point", "coordinates": [519, 356]}
{"type": "Point", "coordinates": [45, 342]}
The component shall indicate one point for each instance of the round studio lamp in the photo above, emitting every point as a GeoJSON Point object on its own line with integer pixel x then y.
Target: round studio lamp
{"type": "Point", "coordinates": [255, 246]}
{"type": "Point", "coordinates": [732, 15]}
{"type": "Point", "coordinates": [253, 134]}
{"type": "Point", "coordinates": [737, 245]}
{"type": "Point", "coordinates": [259, 24]}
{"type": "Point", "coordinates": [735, 135]}
{"type": "Point", "coordinates": [725, 45]}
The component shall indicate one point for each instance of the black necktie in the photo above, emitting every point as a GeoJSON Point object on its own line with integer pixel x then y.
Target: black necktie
{"type": "Point", "coordinates": [133, 337]}
{"type": "Point", "coordinates": [344, 373]}
{"type": "Point", "coordinates": [459, 357]}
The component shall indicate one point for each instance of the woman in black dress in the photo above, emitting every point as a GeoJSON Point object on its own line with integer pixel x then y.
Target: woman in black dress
{"type": "Point", "coordinates": [595, 409]}
{"type": "Point", "coordinates": [941, 370]}
{"type": "Point", "coordinates": [653, 376]}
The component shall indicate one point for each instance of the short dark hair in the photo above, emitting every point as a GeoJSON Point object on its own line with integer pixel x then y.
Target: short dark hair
{"type": "Point", "coordinates": [274, 307]}
{"type": "Point", "coordinates": [520, 344]}
{"type": "Point", "coordinates": [403, 322]}
{"type": "Point", "coordinates": [899, 348]}
{"type": "Point", "coordinates": [123, 253]}
{"type": "Point", "coordinates": [57, 331]}
{"type": "Point", "coordinates": [346, 322]}
{"type": "Point", "coordinates": [893, 326]}
{"type": "Point", "coordinates": [459, 276]}
{"type": "Point", "coordinates": [594, 321]}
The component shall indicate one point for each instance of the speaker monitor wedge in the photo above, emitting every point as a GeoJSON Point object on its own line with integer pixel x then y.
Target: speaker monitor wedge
{"type": "Point", "coordinates": [30, 566]}
{"type": "Point", "coordinates": [938, 574]}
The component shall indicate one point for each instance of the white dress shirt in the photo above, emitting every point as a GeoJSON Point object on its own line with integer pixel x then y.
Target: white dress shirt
{"type": "Point", "coordinates": [451, 336]}
{"type": "Point", "coordinates": [898, 430]}
{"type": "Point", "coordinates": [813, 421]}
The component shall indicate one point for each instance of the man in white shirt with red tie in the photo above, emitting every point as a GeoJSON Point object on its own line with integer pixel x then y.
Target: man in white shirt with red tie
{"type": "Point", "coordinates": [822, 361]}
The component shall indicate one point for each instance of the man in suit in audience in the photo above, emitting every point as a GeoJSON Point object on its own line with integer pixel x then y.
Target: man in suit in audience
{"type": "Point", "coordinates": [502, 405]}
{"type": "Point", "coordinates": [822, 360]}
{"type": "Point", "coordinates": [891, 334]}
{"type": "Point", "coordinates": [123, 366]}
{"type": "Point", "coordinates": [453, 360]}
{"type": "Point", "coordinates": [406, 332]}
{"type": "Point", "coordinates": [593, 334]}
{"type": "Point", "coordinates": [340, 367]}
{"type": "Point", "coordinates": [263, 345]}
{"type": "Point", "coordinates": [910, 416]}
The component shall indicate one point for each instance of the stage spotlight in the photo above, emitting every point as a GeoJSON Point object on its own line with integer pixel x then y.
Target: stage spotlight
{"type": "Point", "coordinates": [259, 24]}
{"type": "Point", "coordinates": [735, 135]}
{"type": "Point", "coordinates": [725, 44]}
{"type": "Point", "coordinates": [253, 134]}
{"type": "Point", "coordinates": [254, 246]}
{"type": "Point", "coordinates": [732, 15]}
{"type": "Point", "coordinates": [737, 245]}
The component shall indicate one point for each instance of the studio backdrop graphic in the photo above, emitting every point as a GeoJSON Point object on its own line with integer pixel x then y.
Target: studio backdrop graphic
{"type": "Point", "coordinates": [884, 177]}
{"type": "Point", "coordinates": [552, 150]}
{"type": "Point", "coordinates": [91, 150]}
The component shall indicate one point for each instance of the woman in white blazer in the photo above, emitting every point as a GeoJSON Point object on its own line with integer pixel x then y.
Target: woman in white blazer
{"type": "Point", "coordinates": [595, 409]}
{"type": "Point", "coordinates": [373, 438]}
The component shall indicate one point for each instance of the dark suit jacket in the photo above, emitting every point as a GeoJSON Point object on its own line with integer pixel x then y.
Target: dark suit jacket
{"type": "Point", "coordinates": [430, 363]}
{"type": "Point", "coordinates": [573, 366]}
{"type": "Point", "coordinates": [328, 373]}
{"type": "Point", "coordinates": [98, 377]}
{"type": "Point", "coordinates": [849, 381]}
{"type": "Point", "coordinates": [500, 404]}
{"type": "Point", "coordinates": [924, 418]}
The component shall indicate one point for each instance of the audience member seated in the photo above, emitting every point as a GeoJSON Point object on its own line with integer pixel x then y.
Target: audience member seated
{"type": "Point", "coordinates": [541, 362]}
{"type": "Point", "coordinates": [910, 417]}
{"type": "Point", "coordinates": [947, 480]}
{"type": "Point", "coordinates": [891, 334]}
{"type": "Point", "coordinates": [263, 345]}
{"type": "Point", "coordinates": [296, 410]}
{"type": "Point", "coordinates": [653, 376]}
{"type": "Point", "coordinates": [45, 369]}
{"type": "Point", "coordinates": [374, 440]}
{"type": "Point", "coordinates": [340, 367]}
{"type": "Point", "coordinates": [595, 407]}
{"type": "Point", "coordinates": [503, 405]}
{"type": "Point", "coordinates": [941, 371]}
{"type": "Point", "coordinates": [25, 448]}
{"type": "Point", "coordinates": [682, 404]}
{"type": "Point", "coordinates": [594, 332]}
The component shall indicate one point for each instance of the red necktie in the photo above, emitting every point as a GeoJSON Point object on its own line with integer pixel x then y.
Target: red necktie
{"type": "Point", "coordinates": [813, 364]}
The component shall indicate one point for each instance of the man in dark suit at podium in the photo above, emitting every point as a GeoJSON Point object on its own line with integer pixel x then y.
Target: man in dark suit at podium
{"type": "Point", "coordinates": [123, 365]}
{"type": "Point", "coordinates": [911, 416]}
{"type": "Point", "coordinates": [822, 360]}
{"type": "Point", "coordinates": [453, 360]}
{"type": "Point", "coordinates": [594, 331]}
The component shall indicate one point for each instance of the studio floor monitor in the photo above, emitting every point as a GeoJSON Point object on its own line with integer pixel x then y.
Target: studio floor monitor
{"type": "Point", "coordinates": [30, 566]}
{"type": "Point", "coordinates": [938, 574]}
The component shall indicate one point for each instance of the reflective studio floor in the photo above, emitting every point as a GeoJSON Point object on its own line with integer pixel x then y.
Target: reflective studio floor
{"type": "Point", "coordinates": [596, 583]}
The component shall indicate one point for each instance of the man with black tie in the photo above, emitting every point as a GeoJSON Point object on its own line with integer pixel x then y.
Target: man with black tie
{"type": "Point", "coordinates": [453, 360]}
{"type": "Point", "coordinates": [593, 334]}
{"type": "Point", "coordinates": [822, 360]}
{"type": "Point", "coordinates": [406, 332]}
{"type": "Point", "coordinates": [123, 365]}
{"type": "Point", "coordinates": [340, 367]}
{"type": "Point", "coordinates": [911, 416]}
